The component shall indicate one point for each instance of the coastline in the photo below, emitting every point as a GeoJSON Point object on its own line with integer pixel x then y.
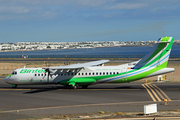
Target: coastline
{"type": "Point", "coordinates": [115, 52]}
{"type": "Point", "coordinates": [75, 48]}
{"type": "Point", "coordinates": [81, 48]}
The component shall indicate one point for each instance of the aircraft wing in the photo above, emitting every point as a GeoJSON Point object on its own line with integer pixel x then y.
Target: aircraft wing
{"type": "Point", "coordinates": [79, 65]}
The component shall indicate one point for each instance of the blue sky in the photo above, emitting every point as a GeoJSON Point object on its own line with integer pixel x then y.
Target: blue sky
{"type": "Point", "coordinates": [88, 20]}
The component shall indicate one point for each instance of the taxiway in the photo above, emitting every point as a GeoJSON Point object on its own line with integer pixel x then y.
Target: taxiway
{"type": "Point", "coordinates": [44, 100]}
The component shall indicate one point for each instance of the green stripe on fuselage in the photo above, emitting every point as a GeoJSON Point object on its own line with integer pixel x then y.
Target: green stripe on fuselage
{"type": "Point", "coordinates": [142, 75]}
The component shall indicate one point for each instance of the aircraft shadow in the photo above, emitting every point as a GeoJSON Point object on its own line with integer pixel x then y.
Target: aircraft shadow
{"type": "Point", "coordinates": [39, 89]}
{"type": "Point", "coordinates": [42, 89]}
{"type": "Point", "coordinates": [36, 90]}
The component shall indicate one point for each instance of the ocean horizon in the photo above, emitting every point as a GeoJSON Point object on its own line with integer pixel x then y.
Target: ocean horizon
{"type": "Point", "coordinates": [104, 52]}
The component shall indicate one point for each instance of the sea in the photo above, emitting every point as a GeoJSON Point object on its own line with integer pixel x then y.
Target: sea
{"type": "Point", "coordinates": [104, 52]}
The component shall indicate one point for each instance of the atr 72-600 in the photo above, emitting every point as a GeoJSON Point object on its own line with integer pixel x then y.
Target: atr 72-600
{"type": "Point", "coordinates": [85, 74]}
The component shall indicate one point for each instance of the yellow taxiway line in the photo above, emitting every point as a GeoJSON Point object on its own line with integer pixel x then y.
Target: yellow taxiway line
{"type": "Point", "coordinates": [152, 89]}
{"type": "Point", "coordinates": [153, 92]}
{"type": "Point", "coordinates": [149, 93]}
{"type": "Point", "coordinates": [163, 93]}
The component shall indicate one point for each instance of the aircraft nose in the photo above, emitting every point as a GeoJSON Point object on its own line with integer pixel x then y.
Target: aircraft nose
{"type": "Point", "coordinates": [8, 79]}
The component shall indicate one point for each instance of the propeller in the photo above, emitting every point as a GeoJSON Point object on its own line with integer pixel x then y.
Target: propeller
{"type": "Point", "coordinates": [50, 73]}
{"type": "Point", "coordinates": [47, 71]}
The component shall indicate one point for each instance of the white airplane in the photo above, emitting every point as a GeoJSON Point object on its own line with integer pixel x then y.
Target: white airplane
{"type": "Point", "coordinates": [85, 74]}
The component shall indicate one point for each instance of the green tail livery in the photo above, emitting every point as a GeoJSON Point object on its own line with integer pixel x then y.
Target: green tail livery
{"type": "Point", "coordinates": [85, 74]}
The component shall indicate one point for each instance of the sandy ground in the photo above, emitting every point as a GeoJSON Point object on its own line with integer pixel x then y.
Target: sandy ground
{"type": "Point", "coordinates": [7, 68]}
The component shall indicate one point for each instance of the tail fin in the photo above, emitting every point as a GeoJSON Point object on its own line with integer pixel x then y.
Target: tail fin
{"type": "Point", "coordinates": [159, 56]}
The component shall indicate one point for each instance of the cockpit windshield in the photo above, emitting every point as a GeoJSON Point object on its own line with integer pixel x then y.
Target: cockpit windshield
{"type": "Point", "coordinates": [14, 72]}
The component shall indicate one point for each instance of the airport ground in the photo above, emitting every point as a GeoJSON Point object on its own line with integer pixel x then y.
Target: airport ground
{"type": "Point", "coordinates": [32, 101]}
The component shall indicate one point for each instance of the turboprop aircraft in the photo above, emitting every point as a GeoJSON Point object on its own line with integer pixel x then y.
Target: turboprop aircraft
{"type": "Point", "coordinates": [85, 74]}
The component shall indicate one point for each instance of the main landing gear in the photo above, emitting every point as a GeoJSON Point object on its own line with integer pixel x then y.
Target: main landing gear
{"type": "Point", "coordinates": [76, 86]}
{"type": "Point", "coordinates": [85, 87]}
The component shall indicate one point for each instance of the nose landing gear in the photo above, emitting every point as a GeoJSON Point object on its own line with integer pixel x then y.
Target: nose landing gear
{"type": "Point", "coordinates": [14, 86]}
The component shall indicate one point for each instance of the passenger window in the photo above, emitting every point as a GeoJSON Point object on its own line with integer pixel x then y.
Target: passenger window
{"type": "Point", "coordinates": [107, 73]}
{"type": "Point", "coordinates": [79, 74]}
{"type": "Point", "coordinates": [38, 74]}
{"type": "Point", "coordinates": [82, 73]}
{"type": "Point", "coordinates": [61, 74]}
{"type": "Point", "coordinates": [89, 73]}
{"type": "Point", "coordinates": [103, 73]}
{"type": "Point", "coordinates": [41, 74]}
{"type": "Point", "coordinates": [68, 73]}
{"type": "Point", "coordinates": [117, 72]}
{"type": "Point", "coordinates": [100, 73]}
{"type": "Point", "coordinates": [114, 73]}
{"type": "Point", "coordinates": [110, 73]}
{"type": "Point", "coordinates": [92, 73]}
{"type": "Point", "coordinates": [97, 73]}
{"type": "Point", "coordinates": [86, 73]}
{"type": "Point", "coordinates": [34, 74]}
{"type": "Point", "coordinates": [71, 73]}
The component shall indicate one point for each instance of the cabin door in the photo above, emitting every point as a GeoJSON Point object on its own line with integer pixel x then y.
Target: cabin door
{"type": "Point", "coordinates": [124, 73]}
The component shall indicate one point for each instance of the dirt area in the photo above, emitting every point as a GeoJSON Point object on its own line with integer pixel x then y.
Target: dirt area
{"type": "Point", "coordinates": [101, 115]}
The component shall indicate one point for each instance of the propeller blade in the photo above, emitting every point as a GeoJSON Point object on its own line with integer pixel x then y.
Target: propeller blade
{"type": "Point", "coordinates": [48, 76]}
{"type": "Point", "coordinates": [47, 71]}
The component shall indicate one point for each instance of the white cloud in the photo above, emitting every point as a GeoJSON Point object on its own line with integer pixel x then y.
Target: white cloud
{"type": "Point", "coordinates": [58, 2]}
{"type": "Point", "coordinates": [128, 6]}
{"type": "Point", "coordinates": [92, 3]}
{"type": "Point", "coordinates": [83, 8]}
{"type": "Point", "coordinates": [14, 9]}
{"type": "Point", "coordinates": [49, 15]}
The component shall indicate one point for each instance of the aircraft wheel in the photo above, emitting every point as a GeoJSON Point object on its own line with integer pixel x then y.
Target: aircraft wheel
{"type": "Point", "coordinates": [14, 86]}
{"type": "Point", "coordinates": [85, 87]}
{"type": "Point", "coordinates": [76, 86]}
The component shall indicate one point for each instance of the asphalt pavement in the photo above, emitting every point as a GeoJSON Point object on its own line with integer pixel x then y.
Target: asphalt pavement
{"type": "Point", "coordinates": [27, 101]}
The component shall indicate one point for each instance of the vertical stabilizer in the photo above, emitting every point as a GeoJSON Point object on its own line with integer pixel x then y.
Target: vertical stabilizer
{"type": "Point", "coordinates": [159, 55]}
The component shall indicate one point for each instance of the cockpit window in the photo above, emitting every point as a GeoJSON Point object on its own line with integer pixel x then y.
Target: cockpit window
{"type": "Point", "coordinates": [14, 72]}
